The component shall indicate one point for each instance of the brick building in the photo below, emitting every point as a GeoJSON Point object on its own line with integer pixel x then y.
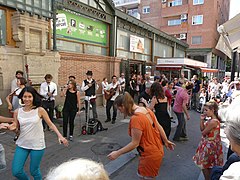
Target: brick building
{"type": "Point", "coordinates": [84, 35]}
{"type": "Point", "coordinates": [192, 21]}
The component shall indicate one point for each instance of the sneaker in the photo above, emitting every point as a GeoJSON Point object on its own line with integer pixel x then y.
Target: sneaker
{"type": "Point", "coordinates": [108, 120]}
{"type": "Point", "coordinates": [113, 121]}
{"type": "Point", "coordinates": [183, 138]}
{"type": "Point", "coordinates": [70, 138]}
{"type": "Point", "coordinates": [176, 139]}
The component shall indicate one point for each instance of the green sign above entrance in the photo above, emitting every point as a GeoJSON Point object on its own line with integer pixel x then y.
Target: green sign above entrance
{"type": "Point", "coordinates": [73, 26]}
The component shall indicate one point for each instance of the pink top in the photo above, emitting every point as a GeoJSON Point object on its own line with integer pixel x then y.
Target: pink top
{"type": "Point", "coordinates": [181, 98]}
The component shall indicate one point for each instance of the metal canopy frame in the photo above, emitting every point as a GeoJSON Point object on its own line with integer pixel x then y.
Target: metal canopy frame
{"type": "Point", "coordinates": [30, 8]}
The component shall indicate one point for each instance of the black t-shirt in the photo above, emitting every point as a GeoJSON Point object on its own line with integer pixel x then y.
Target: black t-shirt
{"type": "Point", "coordinates": [196, 86]}
{"type": "Point", "coordinates": [144, 95]}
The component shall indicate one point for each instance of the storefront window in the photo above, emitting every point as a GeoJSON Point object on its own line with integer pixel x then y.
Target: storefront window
{"type": "Point", "coordinates": [89, 49]}
{"type": "Point", "coordinates": [123, 40]}
{"type": "Point", "coordinates": [69, 46]}
{"type": "Point", "coordinates": [124, 54]}
{"type": "Point", "coordinates": [2, 27]}
{"type": "Point", "coordinates": [179, 53]}
{"type": "Point", "coordinates": [143, 57]}
{"type": "Point", "coordinates": [163, 50]}
{"type": "Point", "coordinates": [147, 46]}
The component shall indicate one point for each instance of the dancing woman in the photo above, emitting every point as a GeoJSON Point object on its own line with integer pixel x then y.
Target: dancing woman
{"type": "Point", "coordinates": [28, 121]}
{"type": "Point", "coordinates": [71, 107]}
{"type": "Point", "coordinates": [147, 136]}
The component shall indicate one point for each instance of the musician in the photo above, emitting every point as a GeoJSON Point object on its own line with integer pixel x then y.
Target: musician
{"type": "Point", "coordinates": [18, 74]}
{"type": "Point", "coordinates": [122, 81]}
{"type": "Point", "coordinates": [90, 86]}
{"type": "Point", "coordinates": [113, 91]}
{"type": "Point", "coordinates": [48, 90]}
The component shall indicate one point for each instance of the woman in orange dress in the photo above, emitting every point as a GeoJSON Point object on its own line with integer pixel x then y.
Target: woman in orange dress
{"type": "Point", "coordinates": [147, 136]}
{"type": "Point", "coordinates": [209, 152]}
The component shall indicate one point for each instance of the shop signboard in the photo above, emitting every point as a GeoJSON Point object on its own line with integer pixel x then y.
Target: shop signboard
{"type": "Point", "coordinates": [136, 44]}
{"type": "Point", "coordinates": [73, 26]}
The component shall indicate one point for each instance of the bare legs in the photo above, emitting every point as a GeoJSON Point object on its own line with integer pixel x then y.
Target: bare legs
{"type": "Point", "coordinates": [206, 173]}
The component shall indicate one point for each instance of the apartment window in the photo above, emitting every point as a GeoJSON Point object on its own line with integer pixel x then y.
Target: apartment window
{"type": "Point", "coordinates": [175, 3]}
{"type": "Point", "coordinates": [197, 2]}
{"type": "Point", "coordinates": [146, 9]}
{"type": "Point", "coordinates": [2, 27]}
{"type": "Point", "coordinates": [197, 20]}
{"type": "Point", "coordinates": [174, 22]}
{"type": "Point", "coordinates": [197, 40]}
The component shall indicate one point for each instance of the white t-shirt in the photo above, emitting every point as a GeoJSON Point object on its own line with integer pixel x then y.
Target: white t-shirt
{"type": "Point", "coordinates": [104, 85]}
{"type": "Point", "coordinates": [110, 86]}
{"type": "Point", "coordinates": [15, 99]}
{"type": "Point", "coordinates": [31, 130]}
{"type": "Point", "coordinates": [233, 172]}
{"type": "Point", "coordinates": [14, 84]}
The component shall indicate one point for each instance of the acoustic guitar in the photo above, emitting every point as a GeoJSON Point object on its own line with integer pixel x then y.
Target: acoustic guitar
{"type": "Point", "coordinates": [108, 94]}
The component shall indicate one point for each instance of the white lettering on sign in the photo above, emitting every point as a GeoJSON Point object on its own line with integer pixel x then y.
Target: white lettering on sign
{"type": "Point", "coordinates": [61, 21]}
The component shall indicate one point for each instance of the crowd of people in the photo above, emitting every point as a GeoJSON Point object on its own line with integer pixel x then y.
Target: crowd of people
{"type": "Point", "coordinates": [151, 105]}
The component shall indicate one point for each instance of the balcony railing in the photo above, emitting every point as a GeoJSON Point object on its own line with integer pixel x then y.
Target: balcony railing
{"type": "Point", "coordinates": [126, 3]}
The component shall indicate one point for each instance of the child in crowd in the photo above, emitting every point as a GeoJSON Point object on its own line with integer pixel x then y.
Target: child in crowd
{"type": "Point", "coordinates": [209, 152]}
{"type": "Point", "coordinates": [202, 100]}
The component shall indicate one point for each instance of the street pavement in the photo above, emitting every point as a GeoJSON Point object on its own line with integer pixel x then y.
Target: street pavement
{"type": "Point", "coordinates": [176, 164]}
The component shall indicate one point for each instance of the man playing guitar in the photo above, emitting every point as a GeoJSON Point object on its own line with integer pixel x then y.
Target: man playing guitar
{"type": "Point", "coordinates": [89, 86]}
{"type": "Point", "coordinates": [111, 92]}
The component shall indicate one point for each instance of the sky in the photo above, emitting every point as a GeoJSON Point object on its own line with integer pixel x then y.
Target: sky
{"type": "Point", "coordinates": [234, 8]}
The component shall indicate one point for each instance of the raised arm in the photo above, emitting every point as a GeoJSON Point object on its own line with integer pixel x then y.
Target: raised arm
{"type": "Point", "coordinates": [8, 101]}
{"type": "Point", "coordinates": [206, 129]}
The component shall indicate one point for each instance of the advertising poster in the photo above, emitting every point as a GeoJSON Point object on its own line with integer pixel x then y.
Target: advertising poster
{"type": "Point", "coordinates": [76, 27]}
{"type": "Point", "coordinates": [136, 44]}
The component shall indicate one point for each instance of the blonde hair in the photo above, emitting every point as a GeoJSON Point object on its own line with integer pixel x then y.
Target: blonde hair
{"type": "Point", "coordinates": [78, 169]}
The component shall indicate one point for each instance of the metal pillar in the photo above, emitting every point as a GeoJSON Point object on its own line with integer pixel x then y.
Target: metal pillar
{"type": "Point", "coordinates": [54, 25]}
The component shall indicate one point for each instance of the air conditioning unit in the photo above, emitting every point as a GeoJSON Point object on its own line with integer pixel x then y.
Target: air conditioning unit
{"type": "Point", "coordinates": [164, 1]}
{"type": "Point", "coordinates": [183, 36]}
{"type": "Point", "coordinates": [183, 16]}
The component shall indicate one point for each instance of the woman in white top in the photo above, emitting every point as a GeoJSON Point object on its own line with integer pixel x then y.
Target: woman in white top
{"type": "Point", "coordinates": [14, 103]}
{"type": "Point", "coordinates": [104, 85]}
{"type": "Point", "coordinates": [28, 121]}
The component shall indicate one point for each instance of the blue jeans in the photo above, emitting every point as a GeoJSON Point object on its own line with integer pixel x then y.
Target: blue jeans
{"type": "Point", "coordinates": [20, 157]}
{"type": "Point", "coordinates": [181, 128]}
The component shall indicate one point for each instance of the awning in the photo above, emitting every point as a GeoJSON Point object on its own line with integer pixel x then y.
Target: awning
{"type": "Point", "coordinates": [209, 70]}
{"type": "Point", "coordinates": [229, 36]}
{"type": "Point", "coordinates": [178, 64]}
{"type": "Point", "coordinates": [169, 67]}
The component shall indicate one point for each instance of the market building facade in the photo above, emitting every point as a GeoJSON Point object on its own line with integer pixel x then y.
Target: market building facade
{"type": "Point", "coordinates": [70, 37]}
